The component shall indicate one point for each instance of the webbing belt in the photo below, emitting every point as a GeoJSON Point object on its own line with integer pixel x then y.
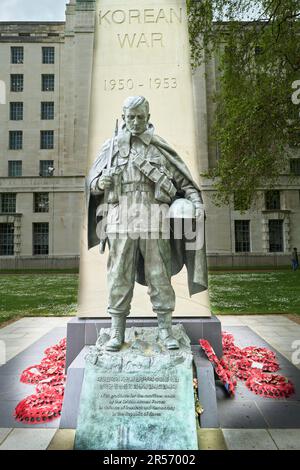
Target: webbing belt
{"type": "Point", "coordinates": [137, 186]}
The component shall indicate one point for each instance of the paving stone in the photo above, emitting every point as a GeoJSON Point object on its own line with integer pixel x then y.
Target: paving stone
{"type": "Point", "coordinates": [16, 344]}
{"type": "Point", "coordinates": [63, 440]}
{"type": "Point", "coordinates": [4, 432]}
{"type": "Point", "coordinates": [17, 364]}
{"type": "Point", "coordinates": [11, 336]}
{"type": "Point", "coordinates": [280, 414]}
{"type": "Point", "coordinates": [243, 414]}
{"type": "Point", "coordinates": [12, 389]}
{"type": "Point", "coordinates": [28, 439]}
{"type": "Point", "coordinates": [268, 319]}
{"type": "Point", "coordinates": [230, 320]}
{"type": "Point", "coordinates": [211, 439]}
{"type": "Point", "coordinates": [287, 439]}
{"type": "Point", "coordinates": [49, 339]}
{"type": "Point", "coordinates": [248, 439]}
{"type": "Point", "coordinates": [11, 353]}
{"type": "Point", "coordinates": [34, 330]}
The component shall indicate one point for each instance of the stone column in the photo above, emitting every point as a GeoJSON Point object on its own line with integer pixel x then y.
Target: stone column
{"type": "Point", "coordinates": [141, 48]}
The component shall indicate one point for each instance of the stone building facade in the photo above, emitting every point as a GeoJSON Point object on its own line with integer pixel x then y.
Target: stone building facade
{"type": "Point", "coordinates": [45, 78]}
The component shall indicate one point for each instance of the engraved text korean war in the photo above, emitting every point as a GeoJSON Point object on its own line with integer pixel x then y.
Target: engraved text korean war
{"type": "Point", "coordinates": [141, 30]}
{"type": "Point", "coordinates": [145, 16]}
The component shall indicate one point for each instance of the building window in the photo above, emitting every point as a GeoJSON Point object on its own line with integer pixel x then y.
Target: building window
{"type": "Point", "coordinates": [48, 55]}
{"type": "Point", "coordinates": [8, 202]}
{"type": "Point", "coordinates": [14, 168]}
{"type": "Point", "coordinates": [242, 236]}
{"type": "Point", "coordinates": [46, 168]}
{"type": "Point", "coordinates": [17, 55]}
{"type": "Point", "coordinates": [7, 239]}
{"type": "Point", "coordinates": [41, 202]}
{"type": "Point", "coordinates": [47, 110]}
{"type": "Point", "coordinates": [47, 140]}
{"type": "Point", "coordinates": [16, 82]}
{"type": "Point", "coordinates": [15, 140]}
{"type": "Point", "coordinates": [41, 238]}
{"type": "Point", "coordinates": [272, 200]}
{"type": "Point", "coordinates": [16, 111]}
{"type": "Point", "coordinates": [275, 236]}
{"type": "Point", "coordinates": [48, 82]}
{"type": "Point", "coordinates": [295, 166]}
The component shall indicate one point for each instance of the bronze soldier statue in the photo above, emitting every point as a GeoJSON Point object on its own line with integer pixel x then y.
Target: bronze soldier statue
{"type": "Point", "coordinates": [138, 170]}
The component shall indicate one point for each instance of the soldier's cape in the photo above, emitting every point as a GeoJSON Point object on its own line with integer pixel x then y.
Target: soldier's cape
{"type": "Point", "coordinates": [194, 260]}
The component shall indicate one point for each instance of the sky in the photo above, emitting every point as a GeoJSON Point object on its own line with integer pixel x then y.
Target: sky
{"type": "Point", "coordinates": [32, 10]}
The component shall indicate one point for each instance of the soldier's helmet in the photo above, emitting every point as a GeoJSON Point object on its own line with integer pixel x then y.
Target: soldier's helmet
{"type": "Point", "coordinates": [181, 209]}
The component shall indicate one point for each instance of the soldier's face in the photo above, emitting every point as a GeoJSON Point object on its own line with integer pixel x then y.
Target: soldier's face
{"type": "Point", "coordinates": [136, 119]}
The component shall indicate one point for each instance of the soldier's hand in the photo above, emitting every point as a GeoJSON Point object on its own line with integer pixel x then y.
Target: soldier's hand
{"type": "Point", "coordinates": [199, 211]}
{"type": "Point", "coordinates": [104, 182]}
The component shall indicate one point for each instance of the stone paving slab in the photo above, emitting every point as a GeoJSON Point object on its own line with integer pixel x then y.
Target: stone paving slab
{"type": "Point", "coordinates": [62, 440]}
{"type": "Point", "coordinates": [231, 320]}
{"type": "Point", "coordinates": [32, 439]}
{"type": "Point", "coordinates": [28, 330]}
{"type": "Point", "coordinates": [279, 414]}
{"type": "Point", "coordinates": [12, 389]}
{"type": "Point", "coordinates": [211, 439]}
{"type": "Point", "coordinates": [242, 415]}
{"type": "Point", "coordinates": [248, 439]}
{"type": "Point", "coordinates": [289, 439]}
{"type": "Point", "coordinates": [4, 432]}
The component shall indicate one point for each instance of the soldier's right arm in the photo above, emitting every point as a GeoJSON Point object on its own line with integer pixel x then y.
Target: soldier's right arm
{"type": "Point", "coordinates": [95, 177]}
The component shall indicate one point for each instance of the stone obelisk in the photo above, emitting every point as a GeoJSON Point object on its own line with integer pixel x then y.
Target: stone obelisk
{"type": "Point", "coordinates": [141, 47]}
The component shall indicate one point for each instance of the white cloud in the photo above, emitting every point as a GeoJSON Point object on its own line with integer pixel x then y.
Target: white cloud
{"type": "Point", "coordinates": [32, 10]}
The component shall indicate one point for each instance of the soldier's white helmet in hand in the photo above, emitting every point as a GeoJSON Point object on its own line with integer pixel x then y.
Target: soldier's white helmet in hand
{"type": "Point", "coordinates": [182, 209]}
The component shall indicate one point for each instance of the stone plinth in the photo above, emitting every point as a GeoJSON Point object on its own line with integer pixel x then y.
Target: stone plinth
{"type": "Point", "coordinates": [83, 331]}
{"type": "Point", "coordinates": [139, 398]}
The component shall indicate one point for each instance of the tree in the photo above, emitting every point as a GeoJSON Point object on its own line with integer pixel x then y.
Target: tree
{"type": "Point", "coordinates": [257, 127]}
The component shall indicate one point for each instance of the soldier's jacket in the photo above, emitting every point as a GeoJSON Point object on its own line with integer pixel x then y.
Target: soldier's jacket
{"type": "Point", "coordinates": [140, 211]}
{"type": "Point", "coordinates": [162, 156]}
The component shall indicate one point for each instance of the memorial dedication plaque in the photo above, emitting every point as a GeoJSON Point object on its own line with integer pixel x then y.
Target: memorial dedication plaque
{"type": "Point", "coordinates": [139, 398]}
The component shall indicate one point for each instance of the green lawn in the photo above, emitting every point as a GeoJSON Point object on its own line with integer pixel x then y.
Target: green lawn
{"type": "Point", "coordinates": [256, 292]}
{"type": "Point", "coordinates": [55, 294]}
{"type": "Point", "coordinates": [23, 295]}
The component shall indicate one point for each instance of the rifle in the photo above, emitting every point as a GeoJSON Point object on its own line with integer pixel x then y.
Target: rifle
{"type": "Point", "coordinates": [108, 172]}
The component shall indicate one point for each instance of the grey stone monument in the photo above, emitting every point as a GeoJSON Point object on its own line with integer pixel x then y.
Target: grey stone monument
{"type": "Point", "coordinates": [129, 44]}
{"type": "Point", "coordinates": [138, 393]}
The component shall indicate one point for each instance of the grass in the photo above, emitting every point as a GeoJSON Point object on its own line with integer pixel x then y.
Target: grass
{"type": "Point", "coordinates": [25, 295]}
{"type": "Point", "coordinates": [256, 292]}
{"type": "Point", "coordinates": [55, 294]}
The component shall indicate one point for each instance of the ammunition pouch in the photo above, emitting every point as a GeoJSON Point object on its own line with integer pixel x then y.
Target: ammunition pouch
{"type": "Point", "coordinates": [165, 190]}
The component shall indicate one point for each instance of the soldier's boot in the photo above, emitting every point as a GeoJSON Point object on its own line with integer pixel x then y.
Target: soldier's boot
{"type": "Point", "coordinates": [165, 330]}
{"type": "Point", "coordinates": [117, 333]}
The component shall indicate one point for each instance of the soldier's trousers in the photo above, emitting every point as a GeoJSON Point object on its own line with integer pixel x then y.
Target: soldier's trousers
{"type": "Point", "coordinates": [121, 271]}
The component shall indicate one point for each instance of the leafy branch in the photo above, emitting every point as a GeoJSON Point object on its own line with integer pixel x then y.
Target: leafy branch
{"type": "Point", "coordinates": [257, 48]}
